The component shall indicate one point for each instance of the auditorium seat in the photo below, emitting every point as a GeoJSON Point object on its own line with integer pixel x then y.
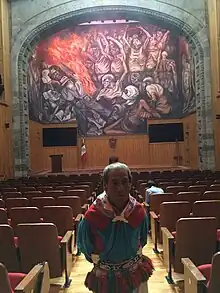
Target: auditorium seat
{"type": "Point", "coordinates": [175, 189]}
{"type": "Point", "coordinates": [37, 280]}
{"type": "Point", "coordinates": [60, 216]}
{"type": "Point", "coordinates": [54, 193]}
{"type": "Point", "coordinates": [204, 278]}
{"type": "Point", "coordinates": [40, 202]}
{"type": "Point", "coordinates": [155, 201]}
{"type": "Point", "coordinates": [195, 238]}
{"type": "Point", "coordinates": [189, 196]}
{"type": "Point", "coordinates": [23, 215]}
{"type": "Point", "coordinates": [208, 208]}
{"type": "Point", "coordinates": [31, 194]}
{"type": "Point", "coordinates": [39, 242]}
{"type": "Point", "coordinates": [198, 188]}
{"type": "Point", "coordinates": [81, 193]}
{"type": "Point", "coordinates": [211, 195]}
{"type": "Point", "coordinates": [14, 203]}
{"type": "Point", "coordinates": [14, 194]}
{"type": "Point", "coordinates": [8, 250]}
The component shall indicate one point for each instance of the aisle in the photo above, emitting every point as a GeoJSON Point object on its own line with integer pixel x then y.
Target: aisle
{"type": "Point", "coordinates": [157, 283]}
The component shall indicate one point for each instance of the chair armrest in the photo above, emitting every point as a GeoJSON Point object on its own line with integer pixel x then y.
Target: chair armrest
{"type": "Point", "coordinates": [84, 208]}
{"type": "Point", "coordinates": [168, 242]}
{"type": "Point", "coordinates": [78, 218]}
{"type": "Point", "coordinates": [39, 274]}
{"type": "Point", "coordinates": [67, 247]}
{"type": "Point", "coordinates": [167, 233]}
{"type": "Point", "coordinates": [67, 237]}
{"type": "Point", "coordinates": [153, 215]}
{"type": "Point", "coordinates": [194, 281]}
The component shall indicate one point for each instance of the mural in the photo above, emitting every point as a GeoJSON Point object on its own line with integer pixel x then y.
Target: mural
{"type": "Point", "coordinates": [111, 78]}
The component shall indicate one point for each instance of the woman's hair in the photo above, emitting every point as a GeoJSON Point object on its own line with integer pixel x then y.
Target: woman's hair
{"type": "Point", "coordinates": [115, 166]}
{"type": "Point", "coordinates": [113, 159]}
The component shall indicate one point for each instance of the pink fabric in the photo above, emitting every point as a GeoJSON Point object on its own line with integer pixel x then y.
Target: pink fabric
{"type": "Point", "coordinates": [206, 271]}
{"type": "Point", "coordinates": [16, 242]}
{"type": "Point", "coordinates": [174, 234]}
{"type": "Point", "coordinates": [218, 235]}
{"type": "Point", "coordinates": [15, 279]}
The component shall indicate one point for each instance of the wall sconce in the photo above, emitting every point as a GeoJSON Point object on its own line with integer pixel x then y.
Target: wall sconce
{"type": "Point", "coordinates": [7, 125]}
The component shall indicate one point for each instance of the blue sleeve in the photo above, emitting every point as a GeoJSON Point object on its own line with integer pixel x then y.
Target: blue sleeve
{"type": "Point", "coordinates": [84, 239]}
{"type": "Point", "coordinates": [144, 231]}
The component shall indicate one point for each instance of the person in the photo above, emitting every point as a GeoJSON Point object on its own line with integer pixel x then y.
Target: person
{"type": "Point", "coordinates": [113, 159]}
{"type": "Point", "coordinates": [112, 235]}
{"type": "Point", "coordinates": [152, 189]}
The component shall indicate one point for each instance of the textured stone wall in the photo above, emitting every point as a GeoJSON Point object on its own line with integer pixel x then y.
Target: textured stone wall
{"type": "Point", "coordinates": [32, 20]}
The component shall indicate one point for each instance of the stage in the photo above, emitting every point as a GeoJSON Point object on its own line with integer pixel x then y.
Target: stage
{"type": "Point", "coordinates": [137, 169]}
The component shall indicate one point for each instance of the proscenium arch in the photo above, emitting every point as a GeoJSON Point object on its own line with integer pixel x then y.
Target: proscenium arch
{"type": "Point", "coordinates": [75, 17]}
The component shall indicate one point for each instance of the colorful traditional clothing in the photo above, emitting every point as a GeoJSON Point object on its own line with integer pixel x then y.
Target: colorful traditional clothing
{"type": "Point", "coordinates": [114, 244]}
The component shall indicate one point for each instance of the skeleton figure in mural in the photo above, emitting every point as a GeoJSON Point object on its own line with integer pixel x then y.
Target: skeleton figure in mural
{"type": "Point", "coordinates": [167, 76]}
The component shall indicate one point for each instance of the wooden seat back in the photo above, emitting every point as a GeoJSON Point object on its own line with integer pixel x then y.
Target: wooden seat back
{"type": "Point", "coordinates": [214, 285]}
{"type": "Point", "coordinates": [72, 201]}
{"type": "Point", "coordinates": [8, 252]}
{"type": "Point", "coordinates": [157, 199]}
{"type": "Point", "coordinates": [176, 189]}
{"type": "Point", "coordinates": [60, 216]}
{"type": "Point", "coordinates": [211, 195]}
{"type": "Point", "coordinates": [195, 239]}
{"type": "Point", "coordinates": [207, 208]}
{"type": "Point", "coordinates": [37, 243]}
{"type": "Point", "coordinates": [171, 212]}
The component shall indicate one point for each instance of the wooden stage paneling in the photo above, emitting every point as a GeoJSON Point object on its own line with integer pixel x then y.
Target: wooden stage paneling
{"type": "Point", "coordinates": [134, 150]}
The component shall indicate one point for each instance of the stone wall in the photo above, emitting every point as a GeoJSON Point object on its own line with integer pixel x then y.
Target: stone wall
{"type": "Point", "coordinates": [33, 20]}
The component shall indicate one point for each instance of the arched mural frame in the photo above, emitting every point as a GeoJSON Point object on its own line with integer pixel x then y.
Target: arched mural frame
{"type": "Point", "coordinates": [200, 47]}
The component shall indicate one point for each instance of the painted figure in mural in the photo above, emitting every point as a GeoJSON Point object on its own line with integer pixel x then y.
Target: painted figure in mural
{"type": "Point", "coordinates": [112, 88]}
{"type": "Point", "coordinates": [157, 44]}
{"type": "Point", "coordinates": [156, 99]}
{"type": "Point", "coordinates": [167, 75]}
{"type": "Point", "coordinates": [137, 57]}
{"type": "Point", "coordinates": [110, 78]}
{"type": "Point", "coordinates": [128, 116]}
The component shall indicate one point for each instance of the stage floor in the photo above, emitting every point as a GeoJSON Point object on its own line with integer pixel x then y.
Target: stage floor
{"type": "Point", "coordinates": [99, 170]}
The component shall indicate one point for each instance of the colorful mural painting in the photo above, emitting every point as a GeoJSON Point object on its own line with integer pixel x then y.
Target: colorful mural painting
{"type": "Point", "coordinates": [111, 78]}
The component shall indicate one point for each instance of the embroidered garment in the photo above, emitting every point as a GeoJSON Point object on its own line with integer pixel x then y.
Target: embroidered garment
{"type": "Point", "coordinates": [113, 243]}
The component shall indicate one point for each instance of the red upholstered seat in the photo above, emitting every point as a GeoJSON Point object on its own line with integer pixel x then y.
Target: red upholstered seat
{"type": "Point", "coordinates": [206, 271]}
{"type": "Point", "coordinates": [16, 240]}
{"type": "Point", "coordinates": [15, 279]}
{"type": "Point", "coordinates": [174, 234]}
{"type": "Point", "coordinates": [218, 235]}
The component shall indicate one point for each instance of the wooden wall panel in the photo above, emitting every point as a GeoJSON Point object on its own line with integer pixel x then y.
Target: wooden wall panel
{"type": "Point", "coordinates": [134, 150]}
{"type": "Point", "coordinates": [214, 28]}
{"type": "Point", "coordinates": [6, 147]}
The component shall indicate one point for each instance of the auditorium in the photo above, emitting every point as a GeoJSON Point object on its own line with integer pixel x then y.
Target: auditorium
{"type": "Point", "coordinates": [109, 146]}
